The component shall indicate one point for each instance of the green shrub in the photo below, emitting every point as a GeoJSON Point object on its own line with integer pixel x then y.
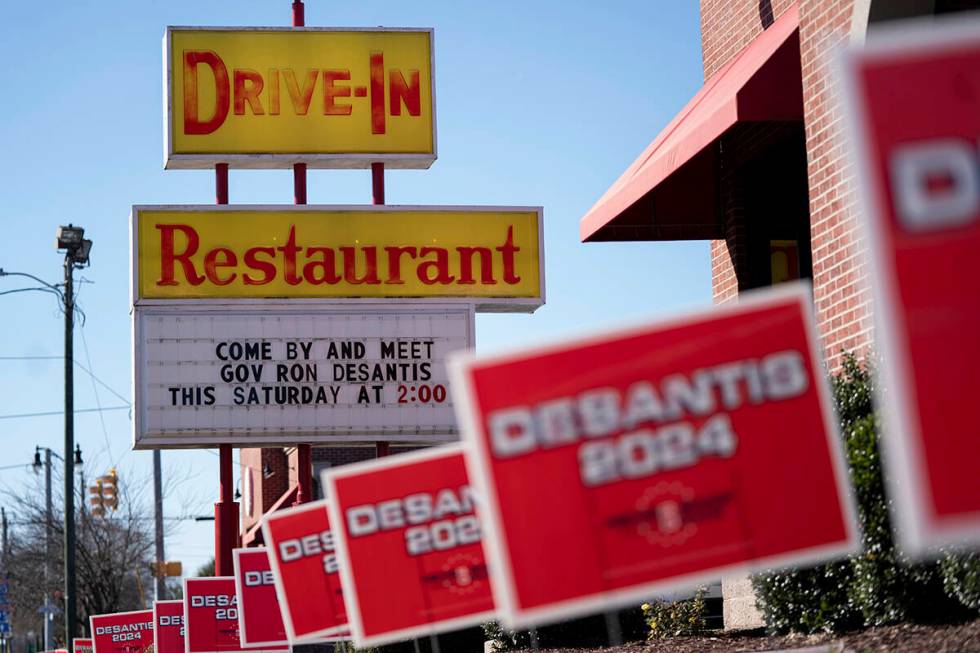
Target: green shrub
{"type": "Point", "coordinates": [961, 578]}
{"type": "Point", "coordinates": [505, 640]}
{"type": "Point", "coordinates": [675, 618]}
{"type": "Point", "coordinates": [876, 586]}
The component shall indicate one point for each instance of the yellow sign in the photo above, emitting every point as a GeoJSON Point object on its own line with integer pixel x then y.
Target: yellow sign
{"type": "Point", "coordinates": [490, 255]}
{"type": "Point", "coordinates": [268, 97]}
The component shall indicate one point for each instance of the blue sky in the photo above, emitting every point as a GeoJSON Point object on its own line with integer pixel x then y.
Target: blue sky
{"type": "Point", "coordinates": [538, 103]}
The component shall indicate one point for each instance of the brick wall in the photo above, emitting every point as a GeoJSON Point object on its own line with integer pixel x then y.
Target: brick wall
{"type": "Point", "coordinates": [265, 491]}
{"type": "Point", "coordinates": [839, 271]}
{"type": "Point", "coordinates": [727, 27]}
{"type": "Point", "coordinates": [839, 267]}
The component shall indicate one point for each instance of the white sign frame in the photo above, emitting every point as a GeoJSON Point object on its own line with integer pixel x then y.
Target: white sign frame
{"type": "Point", "coordinates": [236, 555]}
{"type": "Point", "coordinates": [339, 633]}
{"type": "Point", "coordinates": [480, 474]}
{"type": "Point", "coordinates": [142, 439]}
{"type": "Point", "coordinates": [482, 304]}
{"type": "Point", "coordinates": [902, 455]}
{"type": "Point", "coordinates": [269, 161]}
{"type": "Point", "coordinates": [328, 478]}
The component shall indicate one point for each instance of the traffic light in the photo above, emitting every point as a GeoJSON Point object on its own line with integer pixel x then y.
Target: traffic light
{"type": "Point", "coordinates": [166, 569]}
{"type": "Point", "coordinates": [110, 486]}
{"type": "Point", "coordinates": [105, 493]}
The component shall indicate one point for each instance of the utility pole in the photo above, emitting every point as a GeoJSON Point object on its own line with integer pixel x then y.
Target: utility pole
{"type": "Point", "coordinates": [160, 581]}
{"type": "Point", "coordinates": [47, 609]}
{"type": "Point", "coordinates": [70, 585]}
{"type": "Point", "coordinates": [77, 247]}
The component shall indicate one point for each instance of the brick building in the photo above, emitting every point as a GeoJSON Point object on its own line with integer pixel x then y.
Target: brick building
{"type": "Point", "coordinates": [755, 164]}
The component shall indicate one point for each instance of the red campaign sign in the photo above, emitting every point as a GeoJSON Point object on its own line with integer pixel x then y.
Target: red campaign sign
{"type": "Point", "coordinates": [259, 619]}
{"type": "Point", "coordinates": [655, 458]}
{"type": "Point", "coordinates": [168, 626]}
{"type": "Point", "coordinates": [304, 567]}
{"type": "Point", "coordinates": [407, 536]}
{"type": "Point", "coordinates": [915, 125]}
{"type": "Point", "coordinates": [211, 617]}
{"type": "Point", "coordinates": [122, 632]}
{"type": "Point", "coordinates": [82, 645]}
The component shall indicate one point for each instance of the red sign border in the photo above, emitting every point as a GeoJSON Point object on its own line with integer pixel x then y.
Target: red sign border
{"type": "Point", "coordinates": [906, 477]}
{"type": "Point", "coordinates": [236, 554]}
{"type": "Point", "coordinates": [91, 625]}
{"type": "Point", "coordinates": [335, 634]}
{"type": "Point", "coordinates": [328, 478]}
{"type": "Point", "coordinates": [478, 466]}
{"type": "Point", "coordinates": [156, 644]}
{"type": "Point", "coordinates": [242, 647]}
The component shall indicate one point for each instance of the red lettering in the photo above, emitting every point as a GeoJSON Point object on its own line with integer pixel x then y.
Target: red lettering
{"type": "Point", "coordinates": [168, 257]}
{"type": "Point", "coordinates": [331, 91]}
{"type": "Point", "coordinates": [300, 98]}
{"type": "Point", "coordinates": [370, 262]}
{"type": "Point", "coordinates": [327, 265]}
{"type": "Point", "coordinates": [212, 264]}
{"type": "Point", "coordinates": [401, 91]}
{"type": "Point", "coordinates": [273, 92]}
{"type": "Point", "coordinates": [440, 266]}
{"type": "Point", "coordinates": [192, 122]}
{"type": "Point", "coordinates": [289, 252]}
{"type": "Point", "coordinates": [248, 85]}
{"type": "Point", "coordinates": [267, 268]}
{"type": "Point", "coordinates": [466, 265]}
{"type": "Point", "coordinates": [394, 262]}
{"type": "Point", "coordinates": [507, 251]}
{"type": "Point", "coordinates": [377, 93]}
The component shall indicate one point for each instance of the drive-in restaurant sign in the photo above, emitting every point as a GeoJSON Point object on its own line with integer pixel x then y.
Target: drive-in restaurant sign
{"type": "Point", "coordinates": [628, 463]}
{"type": "Point", "coordinates": [269, 97]}
{"type": "Point", "coordinates": [489, 254]}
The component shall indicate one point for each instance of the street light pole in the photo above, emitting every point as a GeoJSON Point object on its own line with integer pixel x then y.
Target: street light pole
{"type": "Point", "coordinates": [77, 247]}
{"type": "Point", "coordinates": [70, 583]}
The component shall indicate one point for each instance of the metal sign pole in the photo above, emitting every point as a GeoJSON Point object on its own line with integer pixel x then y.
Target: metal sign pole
{"type": "Point", "coordinates": [225, 510]}
{"type": "Point", "coordinates": [304, 452]}
{"type": "Point", "coordinates": [378, 197]}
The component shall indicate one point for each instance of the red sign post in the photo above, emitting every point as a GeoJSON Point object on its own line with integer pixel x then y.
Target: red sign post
{"type": "Point", "coordinates": [304, 568]}
{"type": "Point", "coordinates": [657, 457]}
{"type": "Point", "coordinates": [407, 536]}
{"type": "Point", "coordinates": [916, 126]}
{"type": "Point", "coordinates": [259, 620]}
{"type": "Point", "coordinates": [211, 617]}
{"type": "Point", "coordinates": [122, 632]}
{"type": "Point", "coordinates": [168, 626]}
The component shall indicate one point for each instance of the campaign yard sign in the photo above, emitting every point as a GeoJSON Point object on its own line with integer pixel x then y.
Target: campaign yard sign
{"type": "Point", "coordinates": [409, 546]}
{"type": "Point", "coordinates": [122, 632]}
{"type": "Point", "coordinates": [652, 458]}
{"type": "Point", "coordinates": [211, 617]}
{"type": "Point", "coordinates": [304, 568]}
{"type": "Point", "coordinates": [82, 645]}
{"type": "Point", "coordinates": [168, 626]}
{"type": "Point", "coordinates": [259, 620]}
{"type": "Point", "coordinates": [915, 125]}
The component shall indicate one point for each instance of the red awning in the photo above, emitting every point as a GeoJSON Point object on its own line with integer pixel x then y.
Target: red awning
{"type": "Point", "coordinates": [668, 193]}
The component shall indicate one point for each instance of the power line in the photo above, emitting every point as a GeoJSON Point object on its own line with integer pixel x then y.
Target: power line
{"type": "Point", "coordinates": [95, 390]}
{"type": "Point", "coordinates": [62, 412]}
{"type": "Point", "coordinates": [82, 367]}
